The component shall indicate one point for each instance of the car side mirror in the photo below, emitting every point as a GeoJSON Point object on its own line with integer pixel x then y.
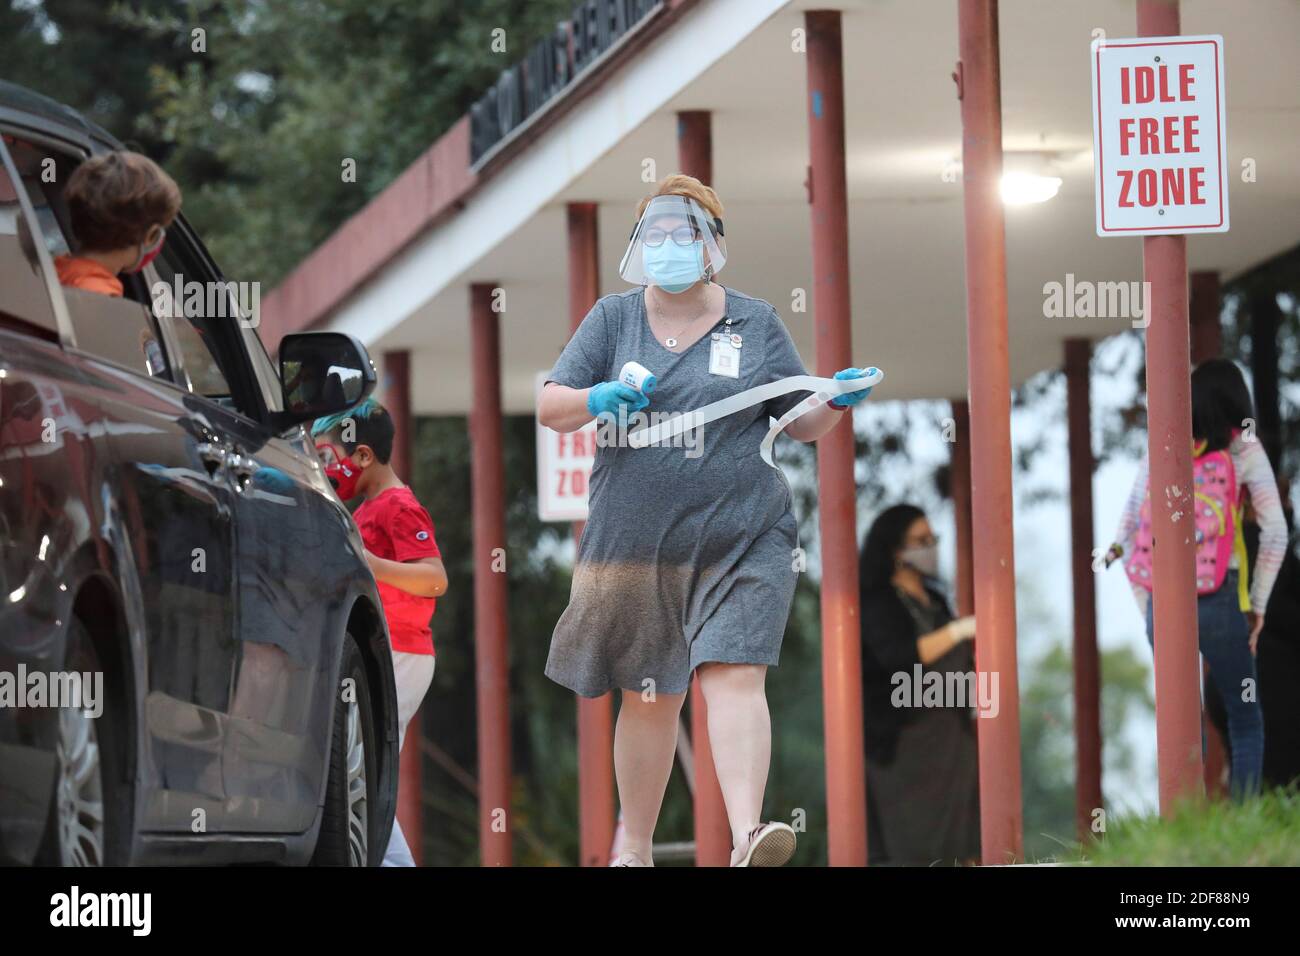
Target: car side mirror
{"type": "Point", "coordinates": [322, 373]}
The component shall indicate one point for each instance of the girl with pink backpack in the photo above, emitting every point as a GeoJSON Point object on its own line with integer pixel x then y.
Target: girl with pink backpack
{"type": "Point", "coordinates": [1228, 460]}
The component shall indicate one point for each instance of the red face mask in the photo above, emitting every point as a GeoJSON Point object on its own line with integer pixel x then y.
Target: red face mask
{"type": "Point", "coordinates": [341, 470]}
{"type": "Point", "coordinates": [150, 254]}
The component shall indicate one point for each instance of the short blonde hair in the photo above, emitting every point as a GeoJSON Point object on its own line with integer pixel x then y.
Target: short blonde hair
{"type": "Point", "coordinates": [679, 184]}
{"type": "Point", "coordinates": [114, 199]}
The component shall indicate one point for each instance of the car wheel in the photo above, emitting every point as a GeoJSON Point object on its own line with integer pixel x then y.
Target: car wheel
{"type": "Point", "coordinates": [84, 828]}
{"type": "Point", "coordinates": [348, 821]}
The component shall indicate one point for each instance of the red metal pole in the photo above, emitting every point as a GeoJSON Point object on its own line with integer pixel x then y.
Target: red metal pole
{"type": "Point", "coordinates": [491, 630]}
{"type": "Point", "coordinates": [1087, 665]}
{"type": "Point", "coordinates": [397, 399]}
{"type": "Point", "coordinates": [410, 805]}
{"type": "Point", "coordinates": [1207, 343]}
{"type": "Point", "coordinates": [979, 86]}
{"type": "Point", "coordinates": [846, 792]}
{"type": "Point", "coordinates": [1169, 427]}
{"type": "Point", "coordinates": [959, 488]}
{"type": "Point", "coordinates": [595, 715]}
{"type": "Point", "coordinates": [695, 144]}
{"type": "Point", "coordinates": [712, 831]}
{"type": "Point", "coordinates": [1207, 333]}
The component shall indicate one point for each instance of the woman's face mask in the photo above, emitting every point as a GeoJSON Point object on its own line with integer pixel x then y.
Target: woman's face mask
{"type": "Point", "coordinates": [674, 268]}
{"type": "Point", "coordinates": [924, 559]}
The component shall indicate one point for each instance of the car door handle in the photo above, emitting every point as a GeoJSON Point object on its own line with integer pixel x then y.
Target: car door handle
{"type": "Point", "coordinates": [213, 455]}
{"type": "Point", "coordinates": [242, 467]}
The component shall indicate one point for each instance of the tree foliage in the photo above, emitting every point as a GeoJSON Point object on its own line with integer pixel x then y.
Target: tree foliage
{"type": "Point", "coordinates": [254, 106]}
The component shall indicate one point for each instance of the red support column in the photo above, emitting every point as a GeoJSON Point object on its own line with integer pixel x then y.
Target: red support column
{"type": "Point", "coordinates": [595, 715]}
{"type": "Point", "coordinates": [1207, 333]}
{"type": "Point", "coordinates": [397, 399]}
{"type": "Point", "coordinates": [1087, 664]}
{"type": "Point", "coordinates": [491, 630]}
{"type": "Point", "coordinates": [959, 488]}
{"type": "Point", "coordinates": [1207, 343]}
{"type": "Point", "coordinates": [695, 144]}
{"type": "Point", "coordinates": [1169, 425]}
{"type": "Point", "coordinates": [846, 803]}
{"type": "Point", "coordinates": [979, 86]}
{"type": "Point", "coordinates": [712, 831]}
{"type": "Point", "coordinates": [410, 784]}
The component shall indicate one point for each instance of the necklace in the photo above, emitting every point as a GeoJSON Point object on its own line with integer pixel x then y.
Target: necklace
{"type": "Point", "coordinates": [671, 341]}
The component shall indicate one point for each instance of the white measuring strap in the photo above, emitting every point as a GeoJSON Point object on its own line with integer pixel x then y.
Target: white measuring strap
{"type": "Point", "coordinates": [823, 389]}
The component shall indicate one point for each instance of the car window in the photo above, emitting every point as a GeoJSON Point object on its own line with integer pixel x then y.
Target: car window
{"type": "Point", "coordinates": [268, 376]}
{"type": "Point", "coordinates": [42, 173]}
{"type": "Point", "coordinates": [132, 330]}
{"type": "Point", "coordinates": [188, 309]}
{"type": "Point", "coordinates": [119, 329]}
{"type": "Point", "coordinates": [24, 296]}
{"type": "Point", "coordinates": [196, 307]}
{"type": "Point", "coordinates": [229, 318]}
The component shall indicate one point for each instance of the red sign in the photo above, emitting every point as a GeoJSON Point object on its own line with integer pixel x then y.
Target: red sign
{"type": "Point", "coordinates": [564, 461]}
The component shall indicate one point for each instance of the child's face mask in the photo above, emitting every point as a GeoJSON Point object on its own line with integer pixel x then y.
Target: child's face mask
{"type": "Point", "coordinates": [149, 253]}
{"type": "Point", "coordinates": [340, 469]}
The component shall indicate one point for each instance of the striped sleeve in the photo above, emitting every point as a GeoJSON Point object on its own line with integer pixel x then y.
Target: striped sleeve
{"type": "Point", "coordinates": [1126, 533]}
{"type": "Point", "coordinates": [1128, 521]}
{"type": "Point", "coordinates": [1255, 473]}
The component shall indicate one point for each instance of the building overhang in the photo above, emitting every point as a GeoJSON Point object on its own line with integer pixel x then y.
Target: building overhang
{"type": "Point", "coordinates": [398, 273]}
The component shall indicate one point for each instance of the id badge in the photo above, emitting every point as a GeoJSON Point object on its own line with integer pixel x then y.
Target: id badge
{"type": "Point", "coordinates": [724, 357]}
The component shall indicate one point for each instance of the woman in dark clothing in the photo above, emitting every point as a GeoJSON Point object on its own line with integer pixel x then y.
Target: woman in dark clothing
{"type": "Point", "coordinates": [1277, 660]}
{"type": "Point", "coordinates": [1279, 677]}
{"type": "Point", "coordinates": [922, 774]}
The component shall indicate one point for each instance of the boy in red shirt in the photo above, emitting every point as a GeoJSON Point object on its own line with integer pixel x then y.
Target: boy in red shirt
{"type": "Point", "coordinates": [355, 447]}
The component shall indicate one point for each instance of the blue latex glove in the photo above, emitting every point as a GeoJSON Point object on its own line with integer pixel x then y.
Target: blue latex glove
{"type": "Point", "coordinates": [608, 397]}
{"type": "Point", "coordinates": [849, 399]}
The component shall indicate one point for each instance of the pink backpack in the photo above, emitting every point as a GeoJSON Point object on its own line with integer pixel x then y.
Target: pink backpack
{"type": "Point", "coordinates": [1217, 519]}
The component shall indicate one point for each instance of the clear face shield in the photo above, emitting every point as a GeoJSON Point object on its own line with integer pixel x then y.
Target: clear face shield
{"type": "Point", "coordinates": [674, 245]}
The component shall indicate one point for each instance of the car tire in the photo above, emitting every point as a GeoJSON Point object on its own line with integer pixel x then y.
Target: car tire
{"type": "Point", "coordinates": [349, 820]}
{"type": "Point", "coordinates": [90, 810]}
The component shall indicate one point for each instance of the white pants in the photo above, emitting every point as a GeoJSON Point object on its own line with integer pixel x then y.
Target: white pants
{"type": "Point", "coordinates": [413, 673]}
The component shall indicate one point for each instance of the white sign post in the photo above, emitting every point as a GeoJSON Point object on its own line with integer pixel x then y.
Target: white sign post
{"type": "Point", "coordinates": [563, 469]}
{"type": "Point", "coordinates": [1159, 129]}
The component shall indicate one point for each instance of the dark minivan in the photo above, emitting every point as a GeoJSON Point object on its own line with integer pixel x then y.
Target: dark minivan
{"type": "Point", "coordinates": [194, 664]}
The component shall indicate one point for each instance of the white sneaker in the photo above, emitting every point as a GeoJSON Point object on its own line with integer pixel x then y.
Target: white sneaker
{"type": "Point", "coordinates": [770, 844]}
{"type": "Point", "coordinates": [630, 859]}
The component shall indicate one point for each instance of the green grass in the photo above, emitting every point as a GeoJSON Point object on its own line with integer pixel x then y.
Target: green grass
{"type": "Point", "coordinates": [1264, 831]}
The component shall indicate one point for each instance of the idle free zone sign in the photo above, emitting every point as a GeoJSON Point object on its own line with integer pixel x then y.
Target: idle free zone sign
{"type": "Point", "coordinates": [1159, 135]}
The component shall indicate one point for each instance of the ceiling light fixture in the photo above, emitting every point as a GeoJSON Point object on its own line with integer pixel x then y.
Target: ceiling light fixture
{"type": "Point", "coordinates": [1024, 188]}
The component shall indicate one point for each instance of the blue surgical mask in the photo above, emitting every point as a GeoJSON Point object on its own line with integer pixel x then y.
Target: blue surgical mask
{"type": "Point", "coordinates": [674, 268]}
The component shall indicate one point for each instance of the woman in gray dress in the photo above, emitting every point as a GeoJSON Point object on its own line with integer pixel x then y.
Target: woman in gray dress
{"type": "Point", "coordinates": [688, 561]}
